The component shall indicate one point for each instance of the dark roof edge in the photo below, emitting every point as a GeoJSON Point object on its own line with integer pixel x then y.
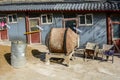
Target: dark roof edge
{"type": "Point", "coordinates": [28, 3]}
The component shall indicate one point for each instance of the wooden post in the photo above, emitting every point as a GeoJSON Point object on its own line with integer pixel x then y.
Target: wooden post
{"type": "Point", "coordinates": [27, 27]}
{"type": "Point", "coordinates": [109, 30]}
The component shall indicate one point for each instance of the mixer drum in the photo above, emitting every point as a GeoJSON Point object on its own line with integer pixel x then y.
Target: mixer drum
{"type": "Point", "coordinates": [61, 40]}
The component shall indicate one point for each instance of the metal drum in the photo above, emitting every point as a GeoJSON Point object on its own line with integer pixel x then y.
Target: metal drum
{"type": "Point", "coordinates": [18, 58]}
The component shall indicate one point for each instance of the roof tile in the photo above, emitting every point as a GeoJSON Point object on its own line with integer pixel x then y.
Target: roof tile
{"type": "Point", "coordinates": [112, 6]}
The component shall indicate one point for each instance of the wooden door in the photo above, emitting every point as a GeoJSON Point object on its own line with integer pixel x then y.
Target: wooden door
{"type": "Point", "coordinates": [115, 25]}
{"type": "Point", "coordinates": [4, 34]}
{"type": "Point", "coordinates": [3, 29]}
{"type": "Point", "coordinates": [35, 33]}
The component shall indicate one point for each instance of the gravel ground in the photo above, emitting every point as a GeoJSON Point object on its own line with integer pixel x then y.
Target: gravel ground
{"type": "Point", "coordinates": [35, 68]}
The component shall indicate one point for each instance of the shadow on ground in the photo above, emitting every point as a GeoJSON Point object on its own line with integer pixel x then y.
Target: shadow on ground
{"type": "Point", "coordinates": [81, 55]}
{"type": "Point", "coordinates": [38, 54]}
{"type": "Point", "coordinates": [8, 58]}
{"type": "Point", "coordinates": [41, 55]}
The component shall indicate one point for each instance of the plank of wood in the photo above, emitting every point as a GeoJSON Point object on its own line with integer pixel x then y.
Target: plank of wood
{"type": "Point", "coordinates": [116, 46]}
{"type": "Point", "coordinates": [31, 32]}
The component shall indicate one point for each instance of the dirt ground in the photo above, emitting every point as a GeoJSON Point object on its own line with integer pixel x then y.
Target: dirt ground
{"type": "Point", "coordinates": [36, 69]}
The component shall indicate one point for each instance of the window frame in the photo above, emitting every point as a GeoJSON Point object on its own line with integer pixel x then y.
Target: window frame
{"type": "Point", "coordinates": [46, 18]}
{"type": "Point", "coordinates": [12, 18]}
{"type": "Point", "coordinates": [37, 18]}
{"type": "Point", "coordinates": [86, 24]}
{"type": "Point", "coordinates": [84, 19]}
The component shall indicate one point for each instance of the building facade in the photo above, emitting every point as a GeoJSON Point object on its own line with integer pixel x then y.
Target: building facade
{"type": "Point", "coordinates": [98, 21]}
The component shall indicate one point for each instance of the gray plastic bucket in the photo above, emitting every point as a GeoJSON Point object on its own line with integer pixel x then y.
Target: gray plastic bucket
{"type": "Point", "coordinates": [18, 58]}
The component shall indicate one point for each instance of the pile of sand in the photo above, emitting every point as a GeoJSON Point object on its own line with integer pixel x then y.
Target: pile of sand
{"type": "Point", "coordinates": [5, 57]}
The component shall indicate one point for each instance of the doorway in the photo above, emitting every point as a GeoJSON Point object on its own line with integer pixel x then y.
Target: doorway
{"type": "Point", "coordinates": [71, 23]}
{"type": "Point", "coordinates": [35, 35]}
{"type": "Point", "coordinates": [115, 29]}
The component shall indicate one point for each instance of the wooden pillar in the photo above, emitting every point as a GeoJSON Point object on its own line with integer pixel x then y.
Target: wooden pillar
{"type": "Point", "coordinates": [27, 27]}
{"type": "Point", "coordinates": [0, 35]}
{"type": "Point", "coordinates": [109, 30]}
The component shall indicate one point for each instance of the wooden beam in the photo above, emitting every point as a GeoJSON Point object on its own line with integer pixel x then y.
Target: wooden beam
{"type": "Point", "coordinates": [115, 22]}
{"type": "Point", "coordinates": [32, 32]}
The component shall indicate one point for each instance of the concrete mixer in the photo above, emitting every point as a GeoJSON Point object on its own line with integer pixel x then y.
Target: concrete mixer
{"type": "Point", "coordinates": [61, 43]}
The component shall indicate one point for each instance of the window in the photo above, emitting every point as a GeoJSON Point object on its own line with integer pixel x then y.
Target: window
{"type": "Point", "coordinates": [116, 31]}
{"type": "Point", "coordinates": [3, 23]}
{"type": "Point", "coordinates": [82, 19]}
{"type": "Point", "coordinates": [89, 19]}
{"type": "Point", "coordinates": [33, 23]}
{"type": "Point", "coordinates": [12, 18]}
{"type": "Point", "coordinates": [46, 19]}
{"type": "Point", "coordinates": [86, 19]}
{"type": "Point", "coordinates": [115, 25]}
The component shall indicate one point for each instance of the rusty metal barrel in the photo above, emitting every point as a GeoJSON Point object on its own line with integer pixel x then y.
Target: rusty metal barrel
{"type": "Point", "coordinates": [18, 58]}
{"type": "Point", "coordinates": [61, 40]}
